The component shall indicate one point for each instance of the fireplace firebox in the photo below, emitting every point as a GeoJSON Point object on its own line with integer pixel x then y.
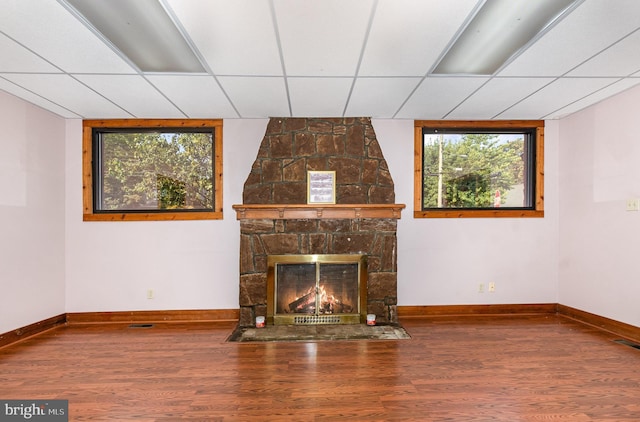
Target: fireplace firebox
{"type": "Point", "coordinates": [316, 289]}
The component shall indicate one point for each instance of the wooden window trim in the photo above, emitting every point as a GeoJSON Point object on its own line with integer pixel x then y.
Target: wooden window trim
{"type": "Point", "coordinates": [538, 212]}
{"type": "Point", "coordinates": [87, 169]}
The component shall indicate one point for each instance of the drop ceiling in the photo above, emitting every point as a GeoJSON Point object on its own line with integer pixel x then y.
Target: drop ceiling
{"type": "Point", "coordinates": [334, 58]}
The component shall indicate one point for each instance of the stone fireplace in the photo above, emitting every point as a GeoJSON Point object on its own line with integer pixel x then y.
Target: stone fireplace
{"type": "Point", "coordinates": [275, 218]}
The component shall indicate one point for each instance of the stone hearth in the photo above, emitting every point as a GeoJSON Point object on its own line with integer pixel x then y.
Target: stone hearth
{"type": "Point", "coordinates": [318, 333]}
{"type": "Point", "coordinates": [275, 218]}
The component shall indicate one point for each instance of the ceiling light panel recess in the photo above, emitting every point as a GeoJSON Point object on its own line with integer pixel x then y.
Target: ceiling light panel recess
{"type": "Point", "coordinates": [499, 30]}
{"type": "Point", "coordinates": [142, 31]}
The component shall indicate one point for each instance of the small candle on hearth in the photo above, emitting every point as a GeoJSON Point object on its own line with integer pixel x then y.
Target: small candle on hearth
{"type": "Point", "coordinates": [371, 319]}
{"type": "Point", "coordinates": [259, 321]}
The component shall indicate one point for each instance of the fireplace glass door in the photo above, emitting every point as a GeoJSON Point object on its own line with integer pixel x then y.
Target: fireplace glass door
{"type": "Point", "coordinates": [316, 289]}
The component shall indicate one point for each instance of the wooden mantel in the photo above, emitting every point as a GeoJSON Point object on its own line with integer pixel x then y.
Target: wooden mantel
{"type": "Point", "coordinates": [316, 211]}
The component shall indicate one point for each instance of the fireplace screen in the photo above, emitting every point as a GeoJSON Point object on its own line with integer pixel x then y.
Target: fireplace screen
{"type": "Point", "coordinates": [316, 289]}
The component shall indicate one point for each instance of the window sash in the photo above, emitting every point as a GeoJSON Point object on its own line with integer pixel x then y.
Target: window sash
{"type": "Point", "coordinates": [91, 168]}
{"type": "Point", "coordinates": [457, 184]}
{"type": "Point", "coordinates": [103, 142]}
{"type": "Point", "coordinates": [535, 165]}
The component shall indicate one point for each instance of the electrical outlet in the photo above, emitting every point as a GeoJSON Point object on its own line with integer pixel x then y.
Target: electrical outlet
{"type": "Point", "coordinates": [492, 287]}
{"type": "Point", "coordinates": [633, 204]}
{"type": "Point", "coordinates": [481, 288]}
{"type": "Point", "coordinates": [150, 294]}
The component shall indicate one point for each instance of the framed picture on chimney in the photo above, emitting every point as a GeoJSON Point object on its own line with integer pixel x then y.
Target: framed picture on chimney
{"type": "Point", "coordinates": [321, 187]}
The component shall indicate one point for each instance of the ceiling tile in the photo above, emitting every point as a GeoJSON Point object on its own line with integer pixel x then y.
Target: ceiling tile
{"type": "Point", "coordinates": [322, 38]}
{"type": "Point", "coordinates": [496, 96]}
{"type": "Point", "coordinates": [70, 94]}
{"type": "Point", "coordinates": [257, 97]}
{"type": "Point", "coordinates": [290, 57]}
{"type": "Point", "coordinates": [365, 98]}
{"type": "Point", "coordinates": [407, 37]}
{"type": "Point", "coordinates": [134, 94]}
{"type": "Point", "coordinates": [235, 38]}
{"type": "Point", "coordinates": [555, 96]}
{"type": "Point", "coordinates": [437, 96]}
{"type": "Point", "coordinates": [621, 59]}
{"type": "Point", "coordinates": [52, 32]}
{"type": "Point", "coordinates": [37, 100]}
{"type": "Point", "coordinates": [600, 95]}
{"type": "Point", "coordinates": [197, 96]}
{"type": "Point", "coordinates": [324, 97]}
{"type": "Point", "coordinates": [589, 29]}
{"type": "Point", "coordinates": [16, 58]}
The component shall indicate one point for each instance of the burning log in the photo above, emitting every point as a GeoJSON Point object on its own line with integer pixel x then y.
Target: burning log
{"type": "Point", "coordinates": [334, 306]}
{"type": "Point", "coordinates": [329, 304]}
{"type": "Point", "coordinates": [299, 305]}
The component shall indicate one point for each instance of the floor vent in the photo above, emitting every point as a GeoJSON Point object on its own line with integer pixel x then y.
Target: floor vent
{"type": "Point", "coordinates": [628, 343]}
{"type": "Point", "coordinates": [317, 319]}
{"type": "Point", "coordinates": [140, 325]}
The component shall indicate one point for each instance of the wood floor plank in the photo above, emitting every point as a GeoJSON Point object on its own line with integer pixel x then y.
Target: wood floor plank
{"type": "Point", "coordinates": [506, 368]}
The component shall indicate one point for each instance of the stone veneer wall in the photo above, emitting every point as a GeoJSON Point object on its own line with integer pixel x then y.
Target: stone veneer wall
{"type": "Point", "coordinates": [290, 147]}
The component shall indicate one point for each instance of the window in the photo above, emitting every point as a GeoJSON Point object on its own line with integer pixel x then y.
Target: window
{"type": "Point", "coordinates": [136, 170]}
{"type": "Point", "coordinates": [479, 169]}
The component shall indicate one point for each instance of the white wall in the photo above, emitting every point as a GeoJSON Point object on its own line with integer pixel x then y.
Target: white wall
{"type": "Point", "coordinates": [581, 254]}
{"type": "Point", "coordinates": [31, 214]}
{"type": "Point", "coordinates": [598, 238]}
{"type": "Point", "coordinates": [188, 264]}
{"type": "Point", "coordinates": [443, 261]}
{"type": "Point", "coordinates": [194, 264]}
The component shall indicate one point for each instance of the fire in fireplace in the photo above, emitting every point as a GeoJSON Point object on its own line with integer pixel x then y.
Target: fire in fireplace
{"type": "Point", "coordinates": [316, 289]}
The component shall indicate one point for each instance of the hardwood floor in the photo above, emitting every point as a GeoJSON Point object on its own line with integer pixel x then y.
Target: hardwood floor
{"type": "Point", "coordinates": [535, 368]}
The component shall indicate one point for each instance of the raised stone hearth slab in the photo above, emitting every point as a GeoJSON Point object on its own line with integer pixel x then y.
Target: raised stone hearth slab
{"type": "Point", "coordinates": [318, 333]}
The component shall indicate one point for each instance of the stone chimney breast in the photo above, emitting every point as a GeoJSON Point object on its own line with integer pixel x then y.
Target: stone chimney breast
{"type": "Point", "coordinates": [293, 146]}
